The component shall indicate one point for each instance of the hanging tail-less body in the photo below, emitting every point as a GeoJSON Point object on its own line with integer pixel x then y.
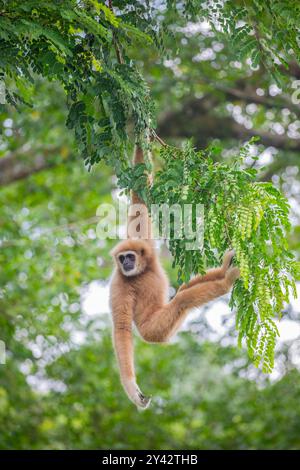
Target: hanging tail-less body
{"type": "Point", "coordinates": [123, 316]}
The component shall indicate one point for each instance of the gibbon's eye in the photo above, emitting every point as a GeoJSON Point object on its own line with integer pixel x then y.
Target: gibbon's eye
{"type": "Point", "coordinates": [121, 258]}
{"type": "Point", "coordinates": [130, 256]}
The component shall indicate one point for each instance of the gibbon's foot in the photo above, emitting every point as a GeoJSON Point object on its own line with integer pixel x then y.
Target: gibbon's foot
{"type": "Point", "coordinates": [232, 274]}
{"type": "Point", "coordinates": [212, 274]}
{"type": "Point", "coordinates": [227, 260]}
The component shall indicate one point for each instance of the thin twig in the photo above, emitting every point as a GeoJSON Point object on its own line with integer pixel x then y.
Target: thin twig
{"type": "Point", "coordinates": [116, 45]}
{"type": "Point", "coordinates": [164, 144]}
{"type": "Point", "coordinates": [121, 61]}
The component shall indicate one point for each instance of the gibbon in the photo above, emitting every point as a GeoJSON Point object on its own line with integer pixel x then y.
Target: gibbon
{"type": "Point", "coordinates": [139, 296]}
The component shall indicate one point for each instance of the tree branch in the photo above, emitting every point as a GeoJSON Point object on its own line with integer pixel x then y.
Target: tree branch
{"type": "Point", "coordinates": [196, 120]}
{"type": "Point", "coordinates": [115, 41]}
{"type": "Point", "coordinates": [19, 165]}
{"type": "Point", "coordinates": [241, 90]}
{"type": "Point", "coordinates": [249, 96]}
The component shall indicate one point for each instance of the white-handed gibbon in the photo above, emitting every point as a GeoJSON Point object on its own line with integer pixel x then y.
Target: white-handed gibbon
{"type": "Point", "coordinates": [139, 295]}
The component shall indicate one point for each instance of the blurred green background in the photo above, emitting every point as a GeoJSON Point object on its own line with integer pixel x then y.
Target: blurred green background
{"type": "Point", "coordinates": [59, 386]}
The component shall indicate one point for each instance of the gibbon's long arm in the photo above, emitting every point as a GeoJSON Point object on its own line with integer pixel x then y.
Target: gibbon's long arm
{"type": "Point", "coordinates": [123, 343]}
{"type": "Point", "coordinates": [139, 219]}
{"type": "Point", "coordinates": [138, 157]}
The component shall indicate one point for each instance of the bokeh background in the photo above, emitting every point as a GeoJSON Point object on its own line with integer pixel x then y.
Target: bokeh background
{"type": "Point", "coordinates": [59, 385]}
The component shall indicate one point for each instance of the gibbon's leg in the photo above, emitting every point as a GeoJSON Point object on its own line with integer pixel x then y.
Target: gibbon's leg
{"type": "Point", "coordinates": [163, 323]}
{"type": "Point", "coordinates": [212, 274]}
{"type": "Point", "coordinates": [123, 343]}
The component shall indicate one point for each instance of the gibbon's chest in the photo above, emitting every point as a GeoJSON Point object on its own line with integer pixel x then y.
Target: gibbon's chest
{"type": "Point", "coordinates": [151, 292]}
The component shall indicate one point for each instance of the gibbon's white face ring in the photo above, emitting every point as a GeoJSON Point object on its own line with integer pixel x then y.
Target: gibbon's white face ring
{"type": "Point", "coordinates": [129, 272]}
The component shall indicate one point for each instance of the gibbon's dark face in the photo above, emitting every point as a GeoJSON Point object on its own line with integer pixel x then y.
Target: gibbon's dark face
{"type": "Point", "coordinates": [132, 257]}
{"type": "Point", "coordinates": [127, 261]}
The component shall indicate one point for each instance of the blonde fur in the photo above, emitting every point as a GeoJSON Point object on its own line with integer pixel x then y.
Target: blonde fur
{"type": "Point", "coordinates": [140, 297]}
